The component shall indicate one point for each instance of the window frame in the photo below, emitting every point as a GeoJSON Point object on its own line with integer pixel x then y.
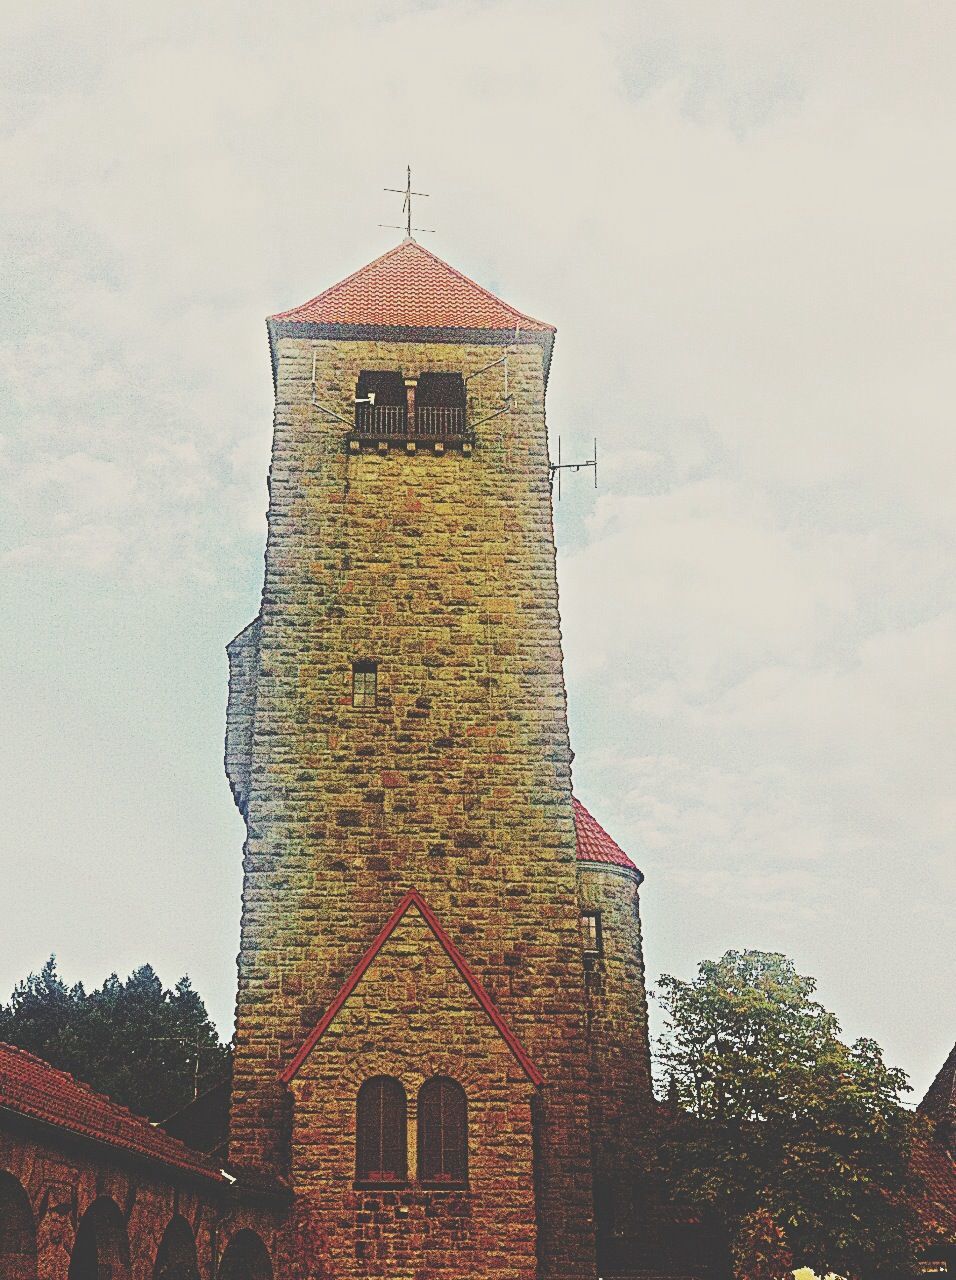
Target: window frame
{"type": "Point", "coordinates": [587, 933]}
{"type": "Point", "coordinates": [429, 1147]}
{"type": "Point", "coordinates": [366, 1104]}
{"type": "Point", "coordinates": [362, 671]}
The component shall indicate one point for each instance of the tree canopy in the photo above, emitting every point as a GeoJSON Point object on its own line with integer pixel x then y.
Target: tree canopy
{"type": "Point", "coordinates": [147, 1047]}
{"type": "Point", "coordinates": [779, 1125]}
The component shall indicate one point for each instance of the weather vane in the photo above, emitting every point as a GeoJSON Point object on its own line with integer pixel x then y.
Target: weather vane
{"type": "Point", "coordinates": [407, 192]}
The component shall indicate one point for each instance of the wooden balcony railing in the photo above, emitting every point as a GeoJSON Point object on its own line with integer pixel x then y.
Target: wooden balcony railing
{"type": "Point", "coordinates": [383, 422]}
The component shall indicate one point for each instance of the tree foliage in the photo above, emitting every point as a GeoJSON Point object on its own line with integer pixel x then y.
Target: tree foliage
{"type": "Point", "coordinates": [148, 1048]}
{"type": "Point", "coordinates": [777, 1117]}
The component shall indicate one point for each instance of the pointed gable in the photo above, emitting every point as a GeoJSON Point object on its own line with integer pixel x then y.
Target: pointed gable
{"type": "Point", "coordinates": [410, 287]}
{"type": "Point", "coordinates": [484, 1005]}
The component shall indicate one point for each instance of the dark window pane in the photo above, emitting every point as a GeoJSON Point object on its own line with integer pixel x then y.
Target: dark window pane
{"type": "Point", "coordinates": [442, 1132]}
{"type": "Point", "coordinates": [591, 932]}
{"type": "Point", "coordinates": [380, 1131]}
{"type": "Point", "coordinates": [364, 684]}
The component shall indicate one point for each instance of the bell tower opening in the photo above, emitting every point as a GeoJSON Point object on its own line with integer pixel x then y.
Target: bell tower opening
{"type": "Point", "coordinates": [381, 403]}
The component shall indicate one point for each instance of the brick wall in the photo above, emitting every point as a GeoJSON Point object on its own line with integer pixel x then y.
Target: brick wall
{"type": "Point", "coordinates": [442, 569]}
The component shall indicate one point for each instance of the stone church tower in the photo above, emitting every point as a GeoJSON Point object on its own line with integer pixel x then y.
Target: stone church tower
{"type": "Point", "coordinates": [441, 1028]}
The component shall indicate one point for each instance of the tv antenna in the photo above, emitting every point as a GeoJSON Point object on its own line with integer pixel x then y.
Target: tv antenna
{"type": "Point", "coordinates": [407, 192]}
{"type": "Point", "coordinates": [555, 468]}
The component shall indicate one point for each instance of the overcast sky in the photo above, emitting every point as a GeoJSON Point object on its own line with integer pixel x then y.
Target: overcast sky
{"type": "Point", "coordinates": [740, 216]}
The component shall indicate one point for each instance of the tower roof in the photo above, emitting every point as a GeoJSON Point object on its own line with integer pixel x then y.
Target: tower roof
{"type": "Point", "coordinates": [410, 287]}
{"type": "Point", "coordinates": [410, 293]}
{"type": "Point", "coordinates": [594, 843]}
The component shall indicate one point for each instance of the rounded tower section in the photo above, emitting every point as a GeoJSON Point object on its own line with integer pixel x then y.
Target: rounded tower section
{"type": "Point", "coordinates": [621, 1093]}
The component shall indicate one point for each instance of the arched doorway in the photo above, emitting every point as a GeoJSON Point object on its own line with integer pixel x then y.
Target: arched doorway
{"type": "Point", "coordinates": [176, 1255]}
{"type": "Point", "coordinates": [18, 1240]}
{"type": "Point", "coordinates": [101, 1248]}
{"type": "Point", "coordinates": [245, 1258]}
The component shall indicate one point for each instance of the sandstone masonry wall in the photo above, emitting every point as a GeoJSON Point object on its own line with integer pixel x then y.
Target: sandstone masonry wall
{"type": "Point", "coordinates": [413, 1017]}
{"type": "Point", "coordinates": [621, 1089]}
{"type": "Point", "coordinates": [440, 568]}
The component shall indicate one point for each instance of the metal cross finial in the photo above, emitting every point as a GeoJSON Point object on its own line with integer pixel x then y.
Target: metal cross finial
{"type": "Point", "coordinates": [407, 192]}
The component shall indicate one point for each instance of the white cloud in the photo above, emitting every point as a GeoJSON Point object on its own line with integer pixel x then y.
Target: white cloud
{"type": "Point", "coordinates": [739, 218]}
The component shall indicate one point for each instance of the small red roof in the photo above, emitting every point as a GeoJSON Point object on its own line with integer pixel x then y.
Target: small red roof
{"type": "Point", "coordinates": [31, 1087]}
{"type": "Point", "coordinates": [414, 899]}
{"type": "Point", "coordinates": [594, 843]}
{"type": "Point", "coordinates": [412, 288]}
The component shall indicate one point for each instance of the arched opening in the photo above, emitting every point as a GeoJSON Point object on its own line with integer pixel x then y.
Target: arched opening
{"type": "Point", "coordinates": [245, 1258]}
{"type": "Point", "coordinates": [381, 403]}
{"type": "Point", "coordinates": [442, 1133]}
{"type": "Point", "coordinates": [101, 1248]}
{"type": "Point", "coordinates": [381, 1154]}
{"type": "Point", "coordinates": [176, 1255]}
{"type": "Point", "coordinates": [18, 1240]}
{"type": "Point", "coordinates": [440, 404]}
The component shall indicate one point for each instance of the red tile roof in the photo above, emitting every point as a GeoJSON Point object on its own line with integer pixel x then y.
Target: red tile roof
{"type": "Point", "coordinates": [31, 1087]}
{"type": "Point", "coordinates": [411, 287]}
{"type": "Point", "coordinates": [414, 899]}
{"type": "Point", "coordinates": [940, 1100]}
{"type": "Point", "coordinates": [935, 1167]}
{"type": "Point", "coordinates": [594, 843]}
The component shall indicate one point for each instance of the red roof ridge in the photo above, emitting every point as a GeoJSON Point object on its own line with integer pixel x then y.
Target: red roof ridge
{"type": "Point", "coordinates": [594, 844]}
{"type": "Point", "coordinates": [33, 1087]}
{"type": "Point", "coordinates": [409, 244]}
{"type": "Point", "coordinates": [414, 899]}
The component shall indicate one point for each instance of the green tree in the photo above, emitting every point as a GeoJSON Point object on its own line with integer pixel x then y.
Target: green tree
{"type": "Point", "coordinates": [148, 1048]}
{"type": "Point", "coordinates": [777, 1117]}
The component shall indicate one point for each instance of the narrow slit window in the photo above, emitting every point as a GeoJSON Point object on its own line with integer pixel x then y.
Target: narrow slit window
{"type": "Point", "coordinates": [364, 684]}
{"type": "Point", "coordinates": [591, 938]}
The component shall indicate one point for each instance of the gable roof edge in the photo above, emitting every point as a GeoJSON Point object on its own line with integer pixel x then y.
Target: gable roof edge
{"type": "Point", "coordinates": [414, 898]}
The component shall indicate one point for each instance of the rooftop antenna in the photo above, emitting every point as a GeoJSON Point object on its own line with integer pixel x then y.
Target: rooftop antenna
{"type": "Point", "coordinates": [407, 192]}
{"type": "Point", "coordinates": [556, 468]}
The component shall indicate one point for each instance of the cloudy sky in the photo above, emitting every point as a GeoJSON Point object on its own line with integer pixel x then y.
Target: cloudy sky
{"type": "Point", "coordinates": [740, 218]}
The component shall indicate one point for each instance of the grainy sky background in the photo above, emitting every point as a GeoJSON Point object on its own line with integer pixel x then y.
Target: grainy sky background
{"type": "Point", "coordinates": [740, 216]}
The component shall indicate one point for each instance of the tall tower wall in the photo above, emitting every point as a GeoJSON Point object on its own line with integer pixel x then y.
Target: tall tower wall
{"type": "Point", "coordinates": [440, 568]}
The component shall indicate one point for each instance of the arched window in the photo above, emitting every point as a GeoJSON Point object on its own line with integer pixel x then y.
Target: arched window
{"type": "Point", "coordinates": [245, 1258]}
{"type": "Point", "coordinates": [18, 1242]}
{"type": "Point", "coordinates": [442, 1132]}
{"type": "Point", "coordinates": [380, 1131]}
{"type": "Point", "coordinates": [101, 1248]}
{"type": "Point", "coordinates": [176, 1255]}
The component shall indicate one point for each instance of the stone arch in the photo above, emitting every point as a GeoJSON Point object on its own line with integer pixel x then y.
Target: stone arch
{"type": "Point", "coordinates": [176, 1255]}
{"type": "Point", "coordinates": [101, 1248]}
{"type": "Point", "coordinates": [245, 1258]}
{"type": "Point", "coordinates": [18, 1237]}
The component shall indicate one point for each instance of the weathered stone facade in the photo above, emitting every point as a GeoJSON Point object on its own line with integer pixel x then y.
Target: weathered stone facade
{"type": "Point", "coordinates": [441, 568]}
{"type": "Point", "coordinates": [413, 1016]}
{"type": "Point", "coordinates": [435, 561]}
{"type": "Point", "coordinates": [620, 1089]}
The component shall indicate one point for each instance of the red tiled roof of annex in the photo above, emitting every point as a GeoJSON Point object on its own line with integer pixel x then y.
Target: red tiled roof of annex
{"type": "Point", "coordinates": [594, 843]}
{"type": "Point", "coordinates": [937, 1203]}
{"type": "Point", "coordinates": [33, 1088]}
{"type": "Point", "coordinates": [413, 288]}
